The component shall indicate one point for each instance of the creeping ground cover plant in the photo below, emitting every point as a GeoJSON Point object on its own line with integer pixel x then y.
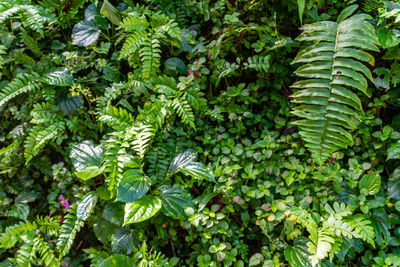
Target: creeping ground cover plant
{"type": "Point", "coordinates": [199, 133]}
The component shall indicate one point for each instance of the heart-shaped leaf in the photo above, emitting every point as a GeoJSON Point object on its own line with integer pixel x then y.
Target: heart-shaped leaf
{"type": "Point", "coordinates": [141, 209]}
{"type": "Point", "coordinates": [174, 201]}
{"type": "Point", "coordinates": [85, 33]}
{"type": "Point", "coordinates": [134, 185]}
{"type": "Point", "coordinates": [86, 159]}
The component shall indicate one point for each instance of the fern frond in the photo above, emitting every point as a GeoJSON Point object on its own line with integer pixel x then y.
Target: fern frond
{"type": "Point", "coordinates": [26, 253]}
{"type": "Point", "coordinates": [70, 227]}
{"type": "Point", "coordinates": [362, 228]}
{"type": "Point", "coordinates": [333, 67]}
{"type": "Point", "coordinates": [48, 225]}
{"type": "Point", "coordinates": [134, 23]}
{"type": "Point", "coordinates": [159, 160]}
{"type": "Point", "coordinates": [45, 253]}
{"type": "Point", "coordinates": [184, 111]}
{"type": "Point", "coordinates": [132, 43]}
{"type": "Point", "coordinates": [21, 84]}
{"type": "Point", "coordinates": [117, 117]}
{"type": "Point", "coordinates": [12, 233]}
{"type": "Point", "coordinates": [113, 157]}
{"type": "Point", "coordinates": [321, 240]}
{"type": "Point", "coordinates": [143, 136]}
{"type": "Point", "coordinates": [32, 16]}
{"type": "Point", "coordinates": [39, 136]}
{"type": "Point", "coordinates": [150, 55]}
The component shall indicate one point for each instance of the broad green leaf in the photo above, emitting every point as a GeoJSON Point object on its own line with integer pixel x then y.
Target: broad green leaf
{"type": "Point", "coordinates": [298, 254]}
{"type": "Point", "coordinates": [387, 38]}
{"type": "Point", "coordinates": [184, 162]}
{"type": "Point", "coordinates": [394, 184]}
{"type": "Point", "coordinates": [123, 240]}
{"type": "Point", "coordinates": [176, 65]}
{"type": "Point", "coordinates": [174, 201]}
{"type": "Point", "coordinates": [110, 12]}
{"type": "Point", "coordinates": [141, 209]}
{"type": "Point", "coordinates": [114, 212]}
{"type": "Point", "coordinates": [70, 104]}
{"type": "Point", "coordinates": [103, 230]}
{"type": "Point", "coordinates": [394, 151]}
{"type": "Point", "coordinates": [19, 210]}
{"type": "Point", "coordinates": [199, 171]}
{"type": "Point", "coordinates": [85, 33]}
{"type": "Point", "coordinates": [134, 185]}
{"type": "Point", "coordinates": [86, 159]}
{"type": "Point", "coordinates": [59, 78]}
{"type": "Point", "coordinates": [86, 205]}
{"type": "Point", "coordinates": [118, 260]}
{"type": "Point", "coordinates": [370, 184]}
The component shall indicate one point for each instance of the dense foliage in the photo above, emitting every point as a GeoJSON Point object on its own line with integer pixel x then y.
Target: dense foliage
{"type": "Point", "coordinates": [199, 133]}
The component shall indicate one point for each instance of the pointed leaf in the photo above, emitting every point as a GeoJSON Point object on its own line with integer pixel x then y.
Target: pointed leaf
{"type": "Point", "coordinates": [142, 209]}
{"type": "Point", "coordinates": [86, 159]}
{"type": "Point", "coordinates": [174, 201]}
{"type": "Point", "coordinates": [134, 185]}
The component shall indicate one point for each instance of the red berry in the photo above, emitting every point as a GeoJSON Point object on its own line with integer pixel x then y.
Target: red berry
{"type": "Point", "coordinates": [189, 72]}
{"type": "Point", "coordinates": [196, 74]}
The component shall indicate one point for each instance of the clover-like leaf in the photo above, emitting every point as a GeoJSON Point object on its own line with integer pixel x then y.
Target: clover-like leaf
{"type": "Point", "coordinates": [86, 205]}
{"type": "Point", "coordinates": [134, 185]}
{"type": "Point", "coordinates": [142, 209]}
{"type": "Point", "coordinates": [174, 201]}
{"type": "Point", "coordinates": [86, 159]}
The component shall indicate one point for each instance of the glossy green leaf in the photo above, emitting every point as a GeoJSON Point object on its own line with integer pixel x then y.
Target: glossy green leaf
{"type": "Point", "coordinates": [141, 209]}
{"type": "Point", "coordinates": [85, 33]}
{"type": "Point", "coordinates": [394, 184]}
{"type": "Point", "coordinates": [298, 254]}
{"type": "Point", "coordinates": [110, 12]}
{"type": "Point", "coordinates": [59, 78]}
{"type": "Point", "coordinates": [86, 206]}
{"type": "Point", "coordinates": [118, 260]}
{"type": "Point", "coordinates": [134, 185]}
{"type": "Point", "coordinates": [184, 162]}
{"type": "Point", "coordinates": [87, 159]}
{"type": "Point", "coordinates": [370, 184]}
{"type": "Point", "coordinates": [123, 240]}
{"type": "Point", "coordinates": [393, 151]}
{"type": "Point", "coordinates": [174, 201]}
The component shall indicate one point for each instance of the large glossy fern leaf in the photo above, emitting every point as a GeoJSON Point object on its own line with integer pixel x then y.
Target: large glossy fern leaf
{"type": "Point", "coordinates": [334, 70]}
{"type": "Point", "coordinates": [21, 84]}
